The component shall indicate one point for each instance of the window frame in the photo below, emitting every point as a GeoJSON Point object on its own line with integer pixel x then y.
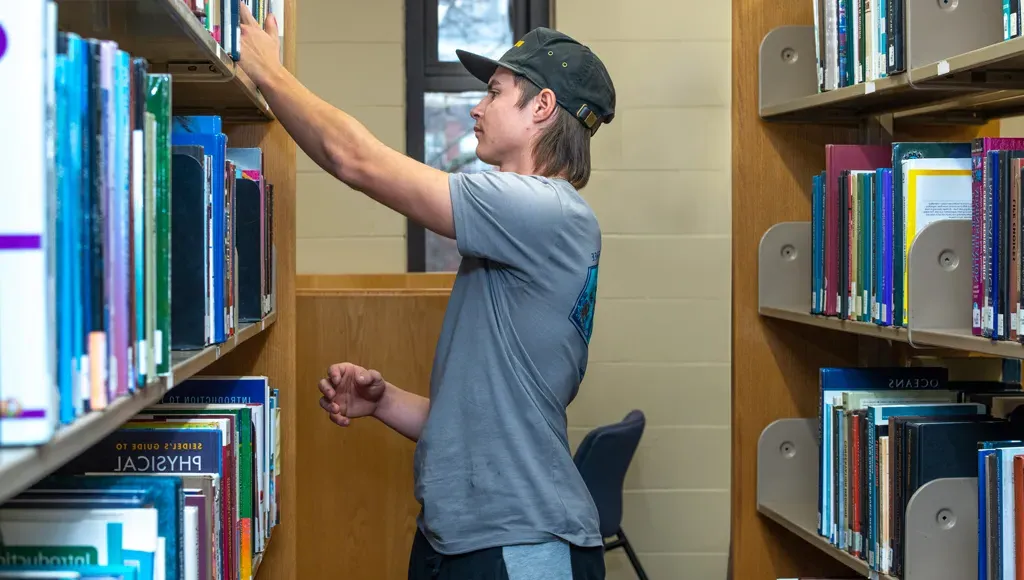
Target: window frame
{"type": "Point", "coordinates": [424, 73]}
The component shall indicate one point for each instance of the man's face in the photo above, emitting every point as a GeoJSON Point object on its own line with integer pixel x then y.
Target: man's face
{"type": "Point", "coordinates": [502, 129]}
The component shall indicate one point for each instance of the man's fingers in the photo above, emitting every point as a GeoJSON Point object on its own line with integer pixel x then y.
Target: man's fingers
{"type": "Point", "coordinates": [244, 16]}
{"type": "Point", "coordinates": [337, 372]}
{"type": "Point", "coordinates": [329, 406]}
{"type": "Point", "coordinates": [326, 389]}
{"type": "Point", "coordinates": [339, 419]}
{"type": "Point", "coordinates": [369, 377]}
{"type": "Point", "coordinates": [271, 25]}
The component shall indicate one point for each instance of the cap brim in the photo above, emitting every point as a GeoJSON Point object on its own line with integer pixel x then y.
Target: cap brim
{"type": "Point", "coordinates": [481, 67]}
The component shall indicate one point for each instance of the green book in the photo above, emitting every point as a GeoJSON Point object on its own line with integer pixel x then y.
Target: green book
{"type": "Point", "coordinates": [866, 246]}
{"type": "Point", "coordinates": [158, 102]}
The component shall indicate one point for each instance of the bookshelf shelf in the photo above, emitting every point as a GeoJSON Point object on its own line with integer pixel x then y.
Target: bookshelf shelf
{"type": "Point", "coordinates": [984, 80]}
{"type": "Point", "coordinates": [22, 467]}
{"type": "Point", "coordinates": [188, 363]}
{"type": "Point", "coordinates": [939, 288]}
{"type": "Point", "coordinates": [941, 522]}
{"type": "Point", "coordinates": [173, 40]}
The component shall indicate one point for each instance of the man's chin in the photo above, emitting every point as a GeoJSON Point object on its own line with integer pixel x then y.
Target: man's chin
{"type": "Point", "coordinates": [484, 155]}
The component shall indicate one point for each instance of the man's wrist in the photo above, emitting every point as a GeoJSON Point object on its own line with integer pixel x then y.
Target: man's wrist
{"type": "Point", "coordinates": [384, 402]}
{"type": "Point", "coordinates": [270, 77]}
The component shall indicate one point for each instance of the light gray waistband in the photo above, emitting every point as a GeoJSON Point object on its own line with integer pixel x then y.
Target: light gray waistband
{"type": "Point", "coordinates": [547, 561]}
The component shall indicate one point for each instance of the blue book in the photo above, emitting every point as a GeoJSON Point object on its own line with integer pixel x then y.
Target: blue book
{"type": "Point", "coordinates": [197, 124]}
{"type": "Point", "coordinates": [816, 226]}
{"type": "Point", "coordinates": [878, 302]}
{"type": "Point", "coordinates": [63, 238]}
{"type": "Point", "coordinates": [886, 308]}
{"type": "Point", "coordinates": [75, 105]}
{"type": "Point", "coordinates": [215, 145]}
{"type": "Point", "coordinates": [134, 451]}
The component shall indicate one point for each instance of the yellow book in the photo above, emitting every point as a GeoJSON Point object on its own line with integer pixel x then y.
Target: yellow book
{"type": "Point", "coordinates": [933, 189]}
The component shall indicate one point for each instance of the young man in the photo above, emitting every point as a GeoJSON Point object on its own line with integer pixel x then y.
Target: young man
{"type": "Point", "coordinates": [500, 494]}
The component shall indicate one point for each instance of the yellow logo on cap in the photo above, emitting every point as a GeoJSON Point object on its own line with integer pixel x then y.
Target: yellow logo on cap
{"type": "Point", "coordinates": [518, 44]}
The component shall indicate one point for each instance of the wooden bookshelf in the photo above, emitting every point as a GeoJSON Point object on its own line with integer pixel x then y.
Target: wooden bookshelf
{"type": "Point", "coordinates": [780, 127]}
{"type": "Point", "coordinates": [206, 81]}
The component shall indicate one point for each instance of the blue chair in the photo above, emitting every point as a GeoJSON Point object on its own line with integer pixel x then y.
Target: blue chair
{"type": "Point", "coordinates": [602, 458]}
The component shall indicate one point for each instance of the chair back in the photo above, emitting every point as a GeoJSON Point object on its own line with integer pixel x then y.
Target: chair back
{"type": "Point", "coordinates": [603, 458]}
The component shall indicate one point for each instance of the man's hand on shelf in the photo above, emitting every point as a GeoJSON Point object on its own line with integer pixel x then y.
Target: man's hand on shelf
{"type": "Point", "coordinates": [259, 54]}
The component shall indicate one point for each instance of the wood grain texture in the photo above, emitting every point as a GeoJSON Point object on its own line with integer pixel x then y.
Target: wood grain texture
{"type": "Point", "coordinates": [273, 352]}
{"type": "Point", "coordinates": [358, 512]}
{"type": "Point", "coordinates": [412, 280]}
{"type": "Point", "coordinates": [775, 362]}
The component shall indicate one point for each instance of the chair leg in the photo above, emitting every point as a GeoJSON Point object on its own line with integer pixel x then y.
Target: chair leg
{"type": "Point", "coordinates": [624, 542]}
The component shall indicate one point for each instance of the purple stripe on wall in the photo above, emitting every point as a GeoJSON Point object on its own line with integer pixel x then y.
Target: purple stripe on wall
{"type": "Point", "coordinates": [26, 414]}
{"type": "Point", "coordinates": [21, 242]}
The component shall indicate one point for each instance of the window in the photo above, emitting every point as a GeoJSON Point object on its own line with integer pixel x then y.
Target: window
{"type": "Point", "coordinates": [440, 93]}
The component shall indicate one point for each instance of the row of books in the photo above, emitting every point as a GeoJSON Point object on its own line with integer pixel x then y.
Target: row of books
{"type": "Point", "coordinates": [871, 202]}
{"type": "Point", "coordinates": [859, 41]}
{"type": "Point", "coordinates": [186, 490]}
{"type": "Point", "coordinates": [887, 431]}
{"type": "Point", "coordinates": [221, 18]}
{"type": "Point", "coordinates": [102, 183]}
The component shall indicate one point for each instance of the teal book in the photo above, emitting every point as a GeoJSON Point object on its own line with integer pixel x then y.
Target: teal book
{"type": "Point", "coordinates": [106, 572]}
{"type": "Point", "coordinates": [165, 493]}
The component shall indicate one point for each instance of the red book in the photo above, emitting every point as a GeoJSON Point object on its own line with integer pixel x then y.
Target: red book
{"type": "Point", "coordinates": [837, 159]}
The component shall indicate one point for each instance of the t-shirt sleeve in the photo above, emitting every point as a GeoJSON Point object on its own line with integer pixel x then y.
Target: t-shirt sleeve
{"type": "Point", "coordinates": [503, 216]}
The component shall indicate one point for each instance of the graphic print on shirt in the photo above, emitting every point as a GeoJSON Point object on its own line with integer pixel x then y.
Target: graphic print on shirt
{"type": "Point", "coordinates": [582, 315]}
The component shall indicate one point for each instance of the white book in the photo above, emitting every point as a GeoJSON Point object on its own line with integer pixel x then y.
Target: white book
{"type": "Point", "coordinates": [191, 545]}
{"type": "Point", "coordinates": [28, 386]}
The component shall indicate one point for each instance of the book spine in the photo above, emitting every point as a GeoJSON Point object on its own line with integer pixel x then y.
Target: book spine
{"type": "Point", "coordinates": [977, 234]}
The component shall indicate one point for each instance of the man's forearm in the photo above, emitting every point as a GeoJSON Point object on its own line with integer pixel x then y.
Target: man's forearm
{"type": "Point", "coordinates": [403, 411]}
{"type": "Point", "coordinates": [346, 149]}
{"type": "Point", "coordinates": [317, 127]}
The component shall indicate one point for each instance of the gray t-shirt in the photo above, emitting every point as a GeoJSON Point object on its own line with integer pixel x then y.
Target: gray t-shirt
{"type": "Point", "coordinates": [493, 465]}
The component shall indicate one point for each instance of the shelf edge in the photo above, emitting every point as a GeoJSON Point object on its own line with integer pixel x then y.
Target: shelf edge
{"type": "Point", "coordinates": [22, 467]}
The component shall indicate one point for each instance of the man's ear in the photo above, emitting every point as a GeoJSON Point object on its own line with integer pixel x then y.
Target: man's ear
{"type": "Point", "coordinates": [544, 106]}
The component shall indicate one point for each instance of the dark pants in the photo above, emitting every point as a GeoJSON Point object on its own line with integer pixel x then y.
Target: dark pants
{"type": "Point", "coordinates": [495, 563]}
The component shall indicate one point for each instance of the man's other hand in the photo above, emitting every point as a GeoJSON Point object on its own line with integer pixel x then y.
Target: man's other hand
{"type": "Point", "coordinates": [350, 391]}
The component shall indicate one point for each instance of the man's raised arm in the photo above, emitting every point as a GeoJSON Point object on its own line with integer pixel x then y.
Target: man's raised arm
{"type": "Point", "coordinates": [340, 144]}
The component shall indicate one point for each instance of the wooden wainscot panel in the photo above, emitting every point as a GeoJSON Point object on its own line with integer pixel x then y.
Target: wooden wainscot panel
{"type": "Point", "coordinates": [357, 508]}
{"type": "Point", "coordinates": [411, 280]}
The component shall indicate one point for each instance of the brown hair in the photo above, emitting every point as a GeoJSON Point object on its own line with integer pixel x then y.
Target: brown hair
{"type": "Point", "coordinates": [563, 149]}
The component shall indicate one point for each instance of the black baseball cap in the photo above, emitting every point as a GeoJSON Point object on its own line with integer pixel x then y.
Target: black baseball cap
{"type": "Point", "coordinates": [554, 60]}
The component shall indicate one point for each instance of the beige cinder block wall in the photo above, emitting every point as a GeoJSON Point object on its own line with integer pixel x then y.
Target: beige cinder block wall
{"type": "Point", "coordinates": [339, 230]}
{"type": "Point", "coordinates": [1011, 127]}
{"type": "Point", "coordinates": [661, 189]}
